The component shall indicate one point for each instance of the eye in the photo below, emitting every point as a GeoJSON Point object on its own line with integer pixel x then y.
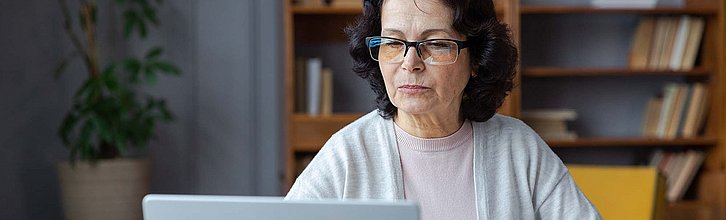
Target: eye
{"type": "Point", "coordinates": [439, 45]}
{"type": "Point", "coordinates": [392, 43]}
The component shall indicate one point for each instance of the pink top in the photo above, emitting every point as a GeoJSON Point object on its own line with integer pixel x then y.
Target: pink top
{"type": "Point", "coordinates": [438, 173]}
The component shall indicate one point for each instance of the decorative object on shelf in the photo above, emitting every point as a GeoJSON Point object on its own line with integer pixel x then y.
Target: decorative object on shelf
{"type": "Point", "coordinates": [107, 117]}
{"type": "Point", "coordinates": [624, 3]}
{"type": "Point", "coordinates": [551, 124]}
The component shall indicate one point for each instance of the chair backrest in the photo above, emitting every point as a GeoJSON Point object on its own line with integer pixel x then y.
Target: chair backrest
{"type": "Point", "coordinates": [622, 192]}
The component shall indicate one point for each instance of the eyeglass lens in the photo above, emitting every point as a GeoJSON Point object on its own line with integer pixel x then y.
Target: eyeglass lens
{"type": "Point", "coordinates": [436, 52]}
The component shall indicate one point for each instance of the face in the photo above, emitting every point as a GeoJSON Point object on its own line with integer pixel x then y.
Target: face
{"type": "Point", "coordinates": [414, 86]}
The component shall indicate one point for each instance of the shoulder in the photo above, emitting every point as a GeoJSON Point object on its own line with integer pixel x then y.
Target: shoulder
{"type": "Point", "coordinates": [502, 125]}
{"type": "Point", "coordinates": [511, 138]}
{"type": "Point", "coordinates": [367, 128]}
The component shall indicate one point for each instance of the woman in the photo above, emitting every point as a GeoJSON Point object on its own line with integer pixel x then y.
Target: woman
{"type": "Point", "coordinates": [440, 69]}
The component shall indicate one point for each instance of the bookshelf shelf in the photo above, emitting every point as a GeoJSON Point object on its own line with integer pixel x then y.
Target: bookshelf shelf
{"type": "Point", "coordinates": [322, 10]}
{"type": "Point", "coordinates": [340, 10]}
{"type": "Point", "coordinates": [633, 142]}
{"type": "Point", "coordinates": [541, 9]}
{"type": "Point", "coordinates": [567, 72]}
{"type": "Point", "coordinates": [309, 133]}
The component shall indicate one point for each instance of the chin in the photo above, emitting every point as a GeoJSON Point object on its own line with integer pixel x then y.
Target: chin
{"type": "Point", "coordinates": [414, 109]}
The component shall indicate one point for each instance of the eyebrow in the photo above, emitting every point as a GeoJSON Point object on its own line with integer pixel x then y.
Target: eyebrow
{"type": "Point", "coordinates": [424, 33]}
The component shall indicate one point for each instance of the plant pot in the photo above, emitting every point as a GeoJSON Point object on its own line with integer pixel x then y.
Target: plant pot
{"type": "Point", "coordinates": [109, 189]}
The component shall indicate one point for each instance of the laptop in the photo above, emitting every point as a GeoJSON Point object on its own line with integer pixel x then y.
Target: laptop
{"type": "Point", "coordinates": [198, 207]}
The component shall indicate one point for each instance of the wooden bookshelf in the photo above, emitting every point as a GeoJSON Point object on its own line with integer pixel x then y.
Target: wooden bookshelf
{"type": "Point", "coordinates": [330, 10]}
{"type": "Point", "coordinates": [309, 133]}
{"type": "Point", "coordinates": [709, 69]}
{"type": "Point", "coordinates": [567, 72]}
{"type": "Point", "coordinates": [322, 24]}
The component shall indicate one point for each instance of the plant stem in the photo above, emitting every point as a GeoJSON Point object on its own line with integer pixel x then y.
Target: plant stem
{"type": "Point", "coordinates": [88, 9]}
{"type": "Point", "coordinates": [68, 27]}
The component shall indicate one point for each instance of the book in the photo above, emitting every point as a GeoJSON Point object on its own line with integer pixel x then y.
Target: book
{"type": "Point", "coordinates": [314, 80]}
{"type": "Point", "coordinates": [676, 111]}
{"type": "Point", "coordinates": [679, 46]}
{"type": "Point", "coordinates": [688, 89]}
{"type": "Point", "coordinates": [300, 85]}
{"type": "Point", "coordinates": [549, 114]}
{"type": "Point", "coordinates": [693, 43]}
{"type": "Point", "coordinates": [640, 46]}
{"type": "Point", "coordinates": [651, 116]}
{"type": "Point", "coordinates": [669, 95]}
{"type": "Point", "coordinates": [658, 42]}
{"type": "Point", "coordinates": [693, 110]}
{"type": "Point", "coordinates": [668, 42]}
{"type": "Point", "coordinates": [689, 165]}
{"type": "Point", "coordinates": [326, 104]}
{"type": "Point", "coordinates": [702, 111]}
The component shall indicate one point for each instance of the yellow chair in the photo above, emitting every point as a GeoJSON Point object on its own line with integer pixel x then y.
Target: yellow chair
{"type": "Point", "coordinates": [622, 192]}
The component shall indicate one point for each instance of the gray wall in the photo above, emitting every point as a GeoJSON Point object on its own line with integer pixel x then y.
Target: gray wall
{"type": "Point", "coordinates": [227, 136]}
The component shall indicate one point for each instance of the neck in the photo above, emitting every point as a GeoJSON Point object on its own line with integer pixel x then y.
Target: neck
{"type": "Point", "coordinates": [429, 126]}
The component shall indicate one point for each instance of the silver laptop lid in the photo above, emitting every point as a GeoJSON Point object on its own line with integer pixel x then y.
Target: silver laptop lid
{"type": "Point", "coordinates": [198, 207]}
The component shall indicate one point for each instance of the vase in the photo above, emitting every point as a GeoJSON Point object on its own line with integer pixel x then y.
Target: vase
{"type": "Point", "coordinates": [107, 189]}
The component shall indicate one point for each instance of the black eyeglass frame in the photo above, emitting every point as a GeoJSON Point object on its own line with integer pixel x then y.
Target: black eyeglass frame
{"type": "Point", "coordinates": [459, 44]}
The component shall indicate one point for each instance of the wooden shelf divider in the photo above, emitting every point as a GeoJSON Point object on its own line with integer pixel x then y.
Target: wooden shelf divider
{"type": "Point", "coordinates": [633, 142]}
{"type": "Point", "coordinates": [568, 72]}
{"type": "Point", "coordinates": [585, 9]}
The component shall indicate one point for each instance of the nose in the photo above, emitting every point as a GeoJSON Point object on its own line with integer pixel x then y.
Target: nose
{"type": "Point", "coordinates": [412, 62]}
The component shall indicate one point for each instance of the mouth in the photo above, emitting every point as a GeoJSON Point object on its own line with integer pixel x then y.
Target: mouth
{"type": "Point", "coordinates": [412, 89]}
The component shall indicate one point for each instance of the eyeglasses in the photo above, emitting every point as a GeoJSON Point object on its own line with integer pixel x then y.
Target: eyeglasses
{"type": "Point", "coordinates": [432, 51]}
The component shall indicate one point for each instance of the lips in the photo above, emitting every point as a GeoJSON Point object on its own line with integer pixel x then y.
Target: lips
{"type": "Point", "coordinates": [412, 89]}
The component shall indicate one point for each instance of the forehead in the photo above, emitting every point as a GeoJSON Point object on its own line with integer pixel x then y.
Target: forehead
{"type": "Point", "coordinates": [411, 15]}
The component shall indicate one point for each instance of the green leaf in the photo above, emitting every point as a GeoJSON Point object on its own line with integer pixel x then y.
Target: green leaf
{"type": "Point", "coordinates": [167, 68]}
{"type": "Point", "coordinates": [110, 80]}
{"type": "Point", "coordinates": [130, 22]}
{"type": "Point", "coordinates": [150, 75]}
{"type": "Point", "coordinates": [142, 28]}
{"type": "Point", "coordinates": [85, 139]}
{"type": "Point", "coordinates": [150, 15]}
{"type": "Point", "coordinates": [154, 53]}
{"type": "Point", "coordinates": [133, 66]}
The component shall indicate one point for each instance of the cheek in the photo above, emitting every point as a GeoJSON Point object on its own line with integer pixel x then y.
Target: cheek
{"type": "Point", "coordinates": [387, 73]}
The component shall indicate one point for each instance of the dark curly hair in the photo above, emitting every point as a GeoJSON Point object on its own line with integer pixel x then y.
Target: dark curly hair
{"type": "Point", "coordinates": [493, 56]}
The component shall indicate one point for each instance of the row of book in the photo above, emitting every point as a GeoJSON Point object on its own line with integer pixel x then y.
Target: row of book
{"type": "Point", "coordinates": [679, 112]}
{"type": "Point", "coordinates": [313, 87]}
{"type": "Point", "coordinates": [679, 168]}
{"type": "Point", "coordinates": [335, 3]}
{"type": "Point", "coordinates": [666, 43]}
{"type": "Point", "coordinates": [551, 124]}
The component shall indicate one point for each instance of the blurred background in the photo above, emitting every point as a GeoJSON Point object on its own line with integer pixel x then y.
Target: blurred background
{"type": "Point", "coordinates": [262, 84]}
{"type": "Point", "coordinates": [226, 138]}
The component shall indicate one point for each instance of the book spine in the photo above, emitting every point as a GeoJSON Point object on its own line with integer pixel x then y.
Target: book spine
{"type": "Point", "coordinates": [314, 75]}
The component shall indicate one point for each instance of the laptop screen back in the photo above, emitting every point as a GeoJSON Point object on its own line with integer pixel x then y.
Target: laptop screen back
{"type": "Point", "coordinates": [193, 207]}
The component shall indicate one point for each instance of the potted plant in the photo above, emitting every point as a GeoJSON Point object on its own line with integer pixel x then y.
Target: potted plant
{"type": "Point", "coordinates": [109, 116]}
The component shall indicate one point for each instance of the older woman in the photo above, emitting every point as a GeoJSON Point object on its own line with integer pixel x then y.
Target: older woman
{"type": "Point", "coordinates": [440, 69]}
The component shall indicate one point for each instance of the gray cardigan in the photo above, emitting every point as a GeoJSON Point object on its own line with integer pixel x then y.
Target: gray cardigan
{"type": "Point", "coordinates": [516, 175]}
